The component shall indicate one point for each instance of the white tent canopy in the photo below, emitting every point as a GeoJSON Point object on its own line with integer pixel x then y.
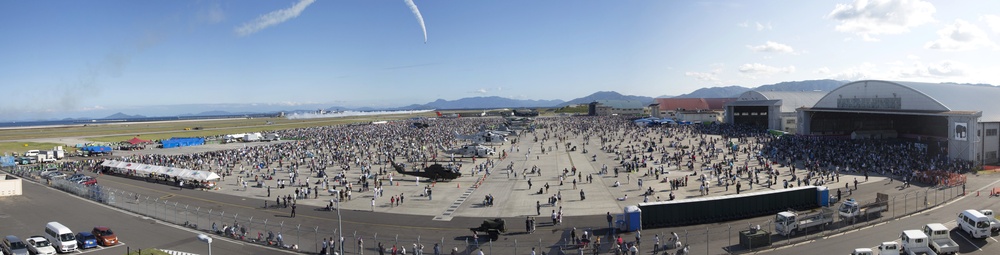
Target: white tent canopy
{"type": "Point", "coordinates": [180, 173]}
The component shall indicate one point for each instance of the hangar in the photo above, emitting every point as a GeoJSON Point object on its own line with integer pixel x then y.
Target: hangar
{"type": "Point", "coordinates": [770, 109]}
{"type": "Point", "coordinates": [954, 119]}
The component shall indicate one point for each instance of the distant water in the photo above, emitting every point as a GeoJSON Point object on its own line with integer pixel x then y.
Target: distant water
{"type": "Point", "coordinates": [8, 124]}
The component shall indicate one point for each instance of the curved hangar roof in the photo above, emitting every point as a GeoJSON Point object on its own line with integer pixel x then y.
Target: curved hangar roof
{"type": "Point", "coordinates": [914, 96]}
{"type": "Point", "coordinates": [790, 100]}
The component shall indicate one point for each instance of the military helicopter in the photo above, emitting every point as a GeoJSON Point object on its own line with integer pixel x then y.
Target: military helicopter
{"type": "Point", "coordinates": [435, 172]}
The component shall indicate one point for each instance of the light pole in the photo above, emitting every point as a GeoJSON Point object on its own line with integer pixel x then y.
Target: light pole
{"type": "Point", "coordinates": [340, 226]}
{"type": "Point", "coordinates": [205, 238]}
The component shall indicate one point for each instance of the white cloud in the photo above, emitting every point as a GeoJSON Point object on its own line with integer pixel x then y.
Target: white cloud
{"type": "Point", "coordinates": [877, 17]}
{"type": "Point", "coordinates": [762, 27]}
{"type": "Point", "coordinates": [862, 72]}
{"type": "Point", "coordinates": [770, 46]}
{"type": "Point", "coordinates": [945, 69]}
{"type": "Point", "coordinates": [758, 68]}
{"type": "Point", "coordinates": [273, 18]}
{"type": "Point", "coordinates": [912, 57]}
{"type": "Point", "coordinates": [993, 21]}
{"type": "Point", "coordinates": [960, 35]}
{"type": "Point", "coordinates": [710, 76]}
{"type": "Point", "coordinates": [481, 91]}
{"type": "Point", "coordinates": [756, 24]}
{"type": "Point", "coordinates": [822, 70]}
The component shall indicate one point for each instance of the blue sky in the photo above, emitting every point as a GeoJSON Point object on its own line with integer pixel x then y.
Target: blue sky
{"type": "Point", "coordinates": [71, 58]}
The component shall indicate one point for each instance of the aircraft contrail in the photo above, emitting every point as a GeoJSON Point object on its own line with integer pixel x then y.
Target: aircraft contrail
{"type": "Point", "coordinates": [420, 18]}
{"type": "Point", "coordinates": [273, 18]}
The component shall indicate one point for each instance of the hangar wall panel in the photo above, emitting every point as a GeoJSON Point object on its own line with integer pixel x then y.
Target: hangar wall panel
{"type": "Point", "coordinates": [879, 95]}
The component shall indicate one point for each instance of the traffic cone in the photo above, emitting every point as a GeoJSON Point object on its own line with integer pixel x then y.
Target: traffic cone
{"type": "Point", "coordinates": [458, 185]}
{"type": "Point", "coordinates": [397, 183]}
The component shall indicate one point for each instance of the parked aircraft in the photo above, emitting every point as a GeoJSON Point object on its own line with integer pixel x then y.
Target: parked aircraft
{"type": "Point", "coordinates": [484, 137]}
{"type": "Point", "coordinates": [435, 172]}
{"type": "Point", "coordinates": [470, 150]}
{"type": "Point", "coordinates": [449, 116]}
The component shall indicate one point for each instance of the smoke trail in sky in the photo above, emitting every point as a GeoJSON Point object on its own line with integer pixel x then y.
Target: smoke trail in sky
{"type": "Point", "coordinates": [420, 18]}
{"type": "Point", "coordinates": [273, 18]}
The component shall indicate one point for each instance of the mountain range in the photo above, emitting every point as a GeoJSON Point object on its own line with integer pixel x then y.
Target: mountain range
{"type": "Point", "coordinates": [491, 102]}
{"type": "Point", "coordinates": [735, 91]}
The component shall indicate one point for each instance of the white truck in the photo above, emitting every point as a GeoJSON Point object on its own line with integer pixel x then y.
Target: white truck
{"type": "Point", "coordinates": [59, 152]}
{"type": "Point", "coordinates": [45, 157]}
{"type": "Point", "coordinates": [251, 137]}
{"type": "Point", "coordinates": [914, 242]}
{"type": "Point", "coordinates": [940, 242]}
{"type": "Point", "coordinates": [789, 222]}
{"type": "Point", "coordinates": [851, 209]}
{"type": "Point", "coordinates": [887, 248]}
{"type": "Point", "coordinates": [994, 223]}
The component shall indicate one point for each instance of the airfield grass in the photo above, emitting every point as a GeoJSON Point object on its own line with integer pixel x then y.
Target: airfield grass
{"type": "Point", "coordinates": [116, 132]}
{"type": "Point", "coordinates": [21, 147]}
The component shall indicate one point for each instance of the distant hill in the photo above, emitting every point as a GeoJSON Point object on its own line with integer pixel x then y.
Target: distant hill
{"type": "Point", "coordinates": [810, 85]}
{"type": "Point", "coordinates": [475, 103]}
{"type": "Point", "coordinates": [734, 91]}
{"type": "Point", "coordinates": [605, 95]}
{"type": "Point", "coordinates": [716, 92]}
{"type": "Point", "coordinates": [119, 115]}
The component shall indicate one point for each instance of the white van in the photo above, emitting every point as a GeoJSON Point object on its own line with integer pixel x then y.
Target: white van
{"type": "Point", "coordinates": [60, 236]}
{"type": "Point", "coordinates": [974, 223]}
{"type": "Point", "coordinates": [32, 153]}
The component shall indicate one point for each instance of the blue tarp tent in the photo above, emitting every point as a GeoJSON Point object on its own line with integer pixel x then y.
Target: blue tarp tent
{"type": "Point", "coordinates": [182, 142]}
{"type": "Point", "coordinates": [95, 148]}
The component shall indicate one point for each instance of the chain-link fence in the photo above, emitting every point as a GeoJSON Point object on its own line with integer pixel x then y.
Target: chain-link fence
{"type": "Point", "coordinates": [712, 239]}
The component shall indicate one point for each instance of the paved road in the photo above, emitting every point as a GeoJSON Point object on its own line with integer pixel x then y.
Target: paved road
{"type": "Point", "coordinates": [27, 215]}
{"type": "Point", "coordinates": [890, 230]}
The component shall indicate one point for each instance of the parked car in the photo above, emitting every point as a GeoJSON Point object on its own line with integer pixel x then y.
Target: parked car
{"type": "Point", "coordinates": [105, 236]}
{"type": "Point", "coordinates": [54, 175]}
{"type": "Point", "coordinates": [76, 177]}
{"type": "Point", "coordinates": [14, 246]}
{"type": "Point", "coordinates": [86, 240]}
{"type": "Point", "coordinates": [90, 181]}
{"type": "Point", "coordinates": [38, 245]}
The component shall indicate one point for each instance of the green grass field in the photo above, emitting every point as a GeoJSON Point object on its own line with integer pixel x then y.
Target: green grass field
{"type": "Point", "coordinates": [20, 147]}
{"type": "Point", "coordinates": [13, 139]}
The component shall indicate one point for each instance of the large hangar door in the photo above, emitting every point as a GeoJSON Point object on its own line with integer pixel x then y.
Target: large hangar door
{"type": "Point", "coordinates": [751, 115]}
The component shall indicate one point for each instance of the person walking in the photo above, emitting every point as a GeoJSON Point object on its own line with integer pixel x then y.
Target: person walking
{"type": "Point", "coordinates": [538, 208]}
{"type": "Point", "coordinates": [293, 210]}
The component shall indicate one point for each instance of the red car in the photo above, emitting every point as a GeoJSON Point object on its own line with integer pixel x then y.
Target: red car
{"type": "Point", "coordinates": [105, 237]}
{"type": "Point", "coordinates": [89, 181]}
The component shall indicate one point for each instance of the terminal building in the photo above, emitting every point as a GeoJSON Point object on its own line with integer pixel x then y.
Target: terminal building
{"type": "Point", "coordinates": [961, 120]}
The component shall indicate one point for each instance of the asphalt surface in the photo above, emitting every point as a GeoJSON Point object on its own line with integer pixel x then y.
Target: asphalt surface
{"type": "Point", "coordinates": [26, 215]}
